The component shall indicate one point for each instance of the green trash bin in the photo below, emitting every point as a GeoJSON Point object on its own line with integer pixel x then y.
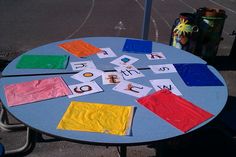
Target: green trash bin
{"type": "Point", "coordinates": [210, 24]}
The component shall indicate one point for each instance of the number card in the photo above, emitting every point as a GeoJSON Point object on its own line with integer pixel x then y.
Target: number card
{"type": "Point", "coordinates": [164, 68]}
{"type": "Point", "coordinates": [124, 60]}
{"type": "Point", "coordinates": [106, 53]}
{"type": "Point", "coordinates": [76, 66]}
{"type": "Point", "coordinates": [160, 84]}
{"type": "Point", "coordinates": [111, 77]}
{"type": "Point", "coordinates": [155, 56]}
{"type": "Point", "coordinates": [133, 89]}
{"type": "Point", "coordinates": [84, 89]}
{"type": "Point", "coordinates": [87, 75]}
{"type": "Point", "coordinates": [129, 72]}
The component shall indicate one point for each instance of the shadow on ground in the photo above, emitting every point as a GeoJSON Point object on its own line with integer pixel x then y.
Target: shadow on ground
{"type": "Point", "coordinates": [224, 63]}
{"type": "Point", "coordinates": [218, 138]}
{"type": "Point", "coordinates": [206, 142]}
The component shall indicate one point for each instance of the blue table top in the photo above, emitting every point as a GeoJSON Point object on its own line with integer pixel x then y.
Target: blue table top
{"type": "Point", "coordinates": [44, 116]}
{"type": "Point", "coordinates": [172, 54]}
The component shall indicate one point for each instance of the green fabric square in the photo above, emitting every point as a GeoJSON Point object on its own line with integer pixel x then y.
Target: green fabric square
{"type": "Point", "coordinates": [43, 62]}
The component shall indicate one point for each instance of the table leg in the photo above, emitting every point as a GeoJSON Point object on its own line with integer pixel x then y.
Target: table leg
{"type": "Point", "coordinates": [123, 151]}
{"type": "Point", "coordinates": [27, 147]}
{"type": "Point", "coordinates": [4, 124]}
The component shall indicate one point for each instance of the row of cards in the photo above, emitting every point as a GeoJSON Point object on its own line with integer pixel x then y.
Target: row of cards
{"type": "Point", "coordinates": [126, 87]}
{"type": "Point", "coordinates": [89, 72]}
{"type": "Point", "coordinates": [125, 59]}
{"type": "Point", "coordinates": [124, 71]}
{"type": "Point", "coordinates": [120, 77]}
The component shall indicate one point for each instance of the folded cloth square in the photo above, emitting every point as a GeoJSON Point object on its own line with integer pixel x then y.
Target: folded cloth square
{"type": "Point", "coordinates": [36, 90]}
{"type": "Point", "coordinates": [197, 75]}
{"type": "Point", "coordinates": [79, 48]}
{"type": "Point", "coordinates": [137, 46]}
{"type": "Point", "coordinates": [43, 62]}
{"type": "Point", "coordinates": [96, 117]}
{"type": "Point", "coordinates": [174, 109]}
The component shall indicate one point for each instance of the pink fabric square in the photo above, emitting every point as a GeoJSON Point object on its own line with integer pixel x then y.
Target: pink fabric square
{"type": "Point", "coordinates": [179, 112]}
{"type": "Point", "coordinates": [36, 90]}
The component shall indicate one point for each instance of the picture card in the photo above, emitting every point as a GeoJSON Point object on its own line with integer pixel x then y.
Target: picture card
{"type": "Point", "coordinates": [160, 84]}
{"type": "Point", "coordinates": [111, 77]}
{"type": "Point", "coordinates": [137, 46]}
{"type": "Point", "coordinates": [164, 68]}
{"type": "Point", "coordinates": [87, 75]}
{"type": "Point", "coordinates": [77, 66]}
{"type": "Point", "coordinates": [133, 89]}
{"type": "Point", "coordinates": [124, 60]}
{"type": "Point", "coordinates": [129, 72]}
{"type": "Point", "coordinates": [84, 89]}
{"type": "Point", "coordinates": [106, 53]}
{"type": "Point", "coordinates": [156, 56]}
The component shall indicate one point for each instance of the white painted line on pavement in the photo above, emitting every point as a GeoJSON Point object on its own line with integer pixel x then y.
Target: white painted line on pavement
{"type": "Point", "coordinates": [85, 20]}
{"type": "Point", "coordinates": [226, 8]}
{"type": "Point", "coordinates": [187, 5]}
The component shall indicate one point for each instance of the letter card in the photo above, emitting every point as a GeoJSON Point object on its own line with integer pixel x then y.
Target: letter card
{"type": "Point", "coordinates": [160, 84]}
{"type": "Point", "coordinates": [84, 89]}
{"type": "Point", "coordinates": [133, 89]}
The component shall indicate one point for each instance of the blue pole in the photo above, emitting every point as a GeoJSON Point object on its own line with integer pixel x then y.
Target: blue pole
{"type": "Point", "coordinates": [146, 19]}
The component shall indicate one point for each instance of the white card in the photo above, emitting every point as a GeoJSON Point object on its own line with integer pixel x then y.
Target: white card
{"type": "Point", "coordinates": [124, 60]}
{"type": "Point", "coordinates": [133, 89]}
{"type": "Point", "coordinates": [87, 75]}
{"type": "Point", "coordinates": [76, 66]}
{"type": "Point", "coordinates": [160, 84]}
{"type": "Point", "coordinates": [84, 89]}
{"type": "Point", "coordinates": [111, 77]}
{"type": "Point", "coordinates": [106, 53]}
{"type": "Point", "coordinates": [155, 56]}
{"type": "Point", "coordinates": [129, 72]}
{"type": "Point", "coordinates": [164, 68]}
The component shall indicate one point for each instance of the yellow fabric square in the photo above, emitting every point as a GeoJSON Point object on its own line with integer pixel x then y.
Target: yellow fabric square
{"type": "Point", "coordinates": [95, 117]}
{"type": "Point", "coordinates": [79, 48]}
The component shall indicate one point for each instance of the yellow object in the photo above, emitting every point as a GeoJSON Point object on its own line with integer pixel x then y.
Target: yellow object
{"type": "Point", "coordinates": [95, 117]}
{"type": "Point", "coordinates": [183, 28]}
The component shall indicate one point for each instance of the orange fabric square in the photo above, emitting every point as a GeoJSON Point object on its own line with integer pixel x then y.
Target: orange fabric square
{"type": "Point", "coordinates": [79, 48]}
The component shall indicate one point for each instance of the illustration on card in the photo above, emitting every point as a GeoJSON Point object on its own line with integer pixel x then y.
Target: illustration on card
{"type": "Point", "coordinates": [77, 66]}
{"type": "Point", "coordinates": [111, 77]}
{"type": "Point", "coordinates": [129, 72]}
{"type": "Point", "coordinates": [160, 84]}
{"type": "Point", "coordinates": [133, 89]}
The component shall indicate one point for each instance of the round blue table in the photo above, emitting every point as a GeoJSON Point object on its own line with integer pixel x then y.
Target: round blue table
{"type": "Point", "coordinates": [44, 116]}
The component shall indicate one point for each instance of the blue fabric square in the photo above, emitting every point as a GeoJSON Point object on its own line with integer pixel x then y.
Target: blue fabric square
{"type": "Point", "coordinates": [138, 46]}
{"type": "Point", "coordinates": [197, 75]}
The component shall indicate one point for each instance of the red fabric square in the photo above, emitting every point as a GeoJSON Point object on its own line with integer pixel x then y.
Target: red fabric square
{"type": "Point", "coordinates": [179, 112]}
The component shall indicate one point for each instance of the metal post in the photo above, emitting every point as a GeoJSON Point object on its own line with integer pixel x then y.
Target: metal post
{"type": "Point", "coordinates": [233, 49]}
{"type": "Point", "coordinates": [146, 19]}
{"type": "Point", "coordinates": [123, 151]}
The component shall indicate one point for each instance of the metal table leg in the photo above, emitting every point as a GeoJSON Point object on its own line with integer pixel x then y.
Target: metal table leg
{"type": "Point", "coordinates": [4, 124]}
{"type": "Point", "coordinates": [122, 151]}
{"type": "Point", "coordinates": [28, 146]}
